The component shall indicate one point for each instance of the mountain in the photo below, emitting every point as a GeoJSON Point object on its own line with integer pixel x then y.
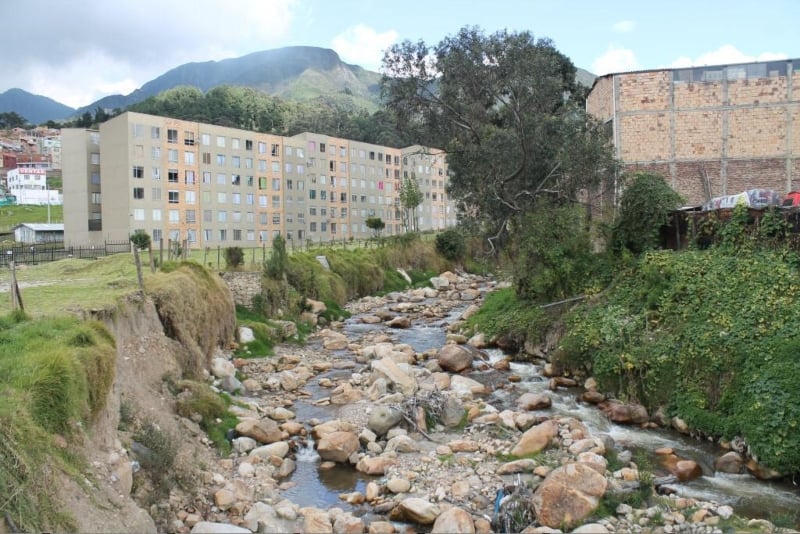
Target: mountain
{"type": "Point", "coordinates": [293, 73]}
{"type": "Point", "coordinates": [34, 108]}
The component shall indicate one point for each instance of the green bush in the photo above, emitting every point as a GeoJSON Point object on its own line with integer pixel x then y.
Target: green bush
{"type": "Point", "coordinates": [234, 257]}
{"type": "Point", "coordinates": [451, 244]}
{"type": "Point", "coordinates": [141, 239]}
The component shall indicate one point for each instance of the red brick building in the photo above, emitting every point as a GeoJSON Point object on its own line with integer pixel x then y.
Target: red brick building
{"type": "Point", "coordinates": [710, 131]}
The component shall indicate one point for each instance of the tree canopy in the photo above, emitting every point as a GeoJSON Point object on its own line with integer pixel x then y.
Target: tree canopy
{"type": "Point", "coordinates": [505, 109]}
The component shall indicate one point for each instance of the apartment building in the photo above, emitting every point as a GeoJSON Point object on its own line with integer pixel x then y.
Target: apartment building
{"type": "Point", "coordinates": [711, 130]}
{"type": "Point", "coordinates": [214, 186]}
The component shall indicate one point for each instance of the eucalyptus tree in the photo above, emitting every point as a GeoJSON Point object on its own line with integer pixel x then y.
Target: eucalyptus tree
{"type": "Point", "coordinates": [506, 109]}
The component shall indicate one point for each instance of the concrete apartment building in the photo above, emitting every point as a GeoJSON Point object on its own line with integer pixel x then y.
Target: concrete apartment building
{"type": "Point", "coordinates": [711, 130]}
{"type": "Point", "coordinates": [218, 186]}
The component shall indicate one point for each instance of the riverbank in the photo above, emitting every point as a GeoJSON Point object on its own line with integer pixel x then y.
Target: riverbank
{"type": "Point", "coordinates": [414, 427]}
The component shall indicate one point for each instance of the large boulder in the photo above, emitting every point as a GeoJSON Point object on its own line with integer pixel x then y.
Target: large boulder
{"type": "Point", "coordinates": [415, 510]}
{"type": "Point", "coordinates": [338, 446]}
{"type": "Point", "coordinates": [375, 465]}
{"type": "Point", "coordinates": [207, 527]}
{"type": "Point", "coordinates": [568, 495]}
{"type": "Point", "coordinates": [466, 388]}
{"type": "Point", "coordinates": [455, 358]}
{"type": "Point", "coordinates": [730, 462]}
{"type": "Point", "coordinates": [534, 401]}
{"type": "Point", "coordinates": [261, 430]}
{"type": "Point", "coordinates": [454, 521]}
{"type": "Point", "coordinates": [382, 419]}
{"type": "Point", "coordinates": [395, 375]}
{"type": "Point", "coordinates": [624, 414]}
{"type": "Point", "coordinates": [536, 438]}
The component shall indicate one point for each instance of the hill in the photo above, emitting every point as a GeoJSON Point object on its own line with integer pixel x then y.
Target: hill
{"type": "Point", "coordinates": [294, 73]}
{"type": "Point", "coordinates": [35, 108]}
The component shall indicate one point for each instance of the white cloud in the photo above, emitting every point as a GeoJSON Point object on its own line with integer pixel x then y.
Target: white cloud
{"type": "Point", "coordinates": [109, 47]}
{"type": "Point", "coordinates": [624, 26]}
{"type": "Point", "coordinates": [363, 45]}
{"type": "Point", "coordinates": [615, 59]}
{"type": "Point", "coordinates": [726, 54]}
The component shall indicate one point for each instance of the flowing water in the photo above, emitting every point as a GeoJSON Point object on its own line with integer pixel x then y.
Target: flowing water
{"type": "Point", "coordinates": [749, 496]}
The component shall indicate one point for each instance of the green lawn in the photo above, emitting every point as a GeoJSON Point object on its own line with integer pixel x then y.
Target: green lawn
{"type": "Point", "coordinates": [10, 216]}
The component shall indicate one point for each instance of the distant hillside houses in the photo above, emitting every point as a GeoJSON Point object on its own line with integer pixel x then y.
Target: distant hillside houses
{"type": "Point", "coordinates": [29, 185]}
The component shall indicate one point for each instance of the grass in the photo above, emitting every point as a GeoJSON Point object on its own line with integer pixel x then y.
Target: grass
{"type": "Point", "coordinates": [54, 374]}
{"type": "Point", "coordinates": [10, 216]}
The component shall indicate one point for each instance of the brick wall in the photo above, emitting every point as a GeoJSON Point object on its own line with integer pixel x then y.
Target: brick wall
{"type": "Point", "coordinates": [698, 134]}
{"type": "Point", "coordinates": [697, 95]}
{"type": "Point", "coordinates": [600, 102]}
{"type": "Point", "coordinates": [244, 286]}
{"type": "Point", "coordinates": [756, 132]}
{"type": "Point", "coordinates": [644, 91]}
{"type": "Point", "coordinates": [644, 137]}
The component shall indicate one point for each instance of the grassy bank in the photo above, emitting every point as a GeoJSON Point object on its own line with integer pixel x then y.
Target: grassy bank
{"type": "Point", "coordinates": [55, 374]}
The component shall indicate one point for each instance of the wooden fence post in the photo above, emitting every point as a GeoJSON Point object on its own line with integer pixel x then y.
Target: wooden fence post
{"type": "Point", "coordinates": [16, 296]}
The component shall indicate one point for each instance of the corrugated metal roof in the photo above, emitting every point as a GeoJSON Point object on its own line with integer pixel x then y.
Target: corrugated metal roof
{"type": "Point", "coordinates": [43, 227]}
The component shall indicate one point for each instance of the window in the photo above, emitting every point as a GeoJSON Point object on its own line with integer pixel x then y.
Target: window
{"type": "Point", "coordinates": [138, 214]}
{"type": "Point", "coordinates": [174, 197]}
{"type": "Point", "coordinates": [138, 193]}
{"type": "Point", "coordinates": [323, 195]}
{"type": "Point", "coordinates": [236, 198]}
{"type": "Point", "coordinates": [250, 217]}
{"type": "Point", "coordinates": [342, 197]}
{"type": "Point", "coordinates": [300, 153]}
{"type": "Point", "coordinates": [220, 141]}
{"type": "Point", "coordinates": [262, 182]}
{"type": "Point", "coordinates": [312, 194]}
{"type": "Point", "coordinates": [138, 171]}
{"type": "Point", "coordinates": [237, 235]}
{"type": "Point", "coordinates": [155, 132]}
{"type": "Point", "coordinates": [312, 146]}
{"type": "Point", "coordinates": [206, 177]}
{"type": "Point", "coordinates": [188, 138]}
{"type": "Point", "coordinates": [96, 198]}
{"type": "Point", "coordinates": [262, 165]}
{"type": "Point", "coordinates": [262, 218]}
{"type": "Point", "coordinates": [172, 176]}
{"type": "Point", "coordinates": [220, 159]}
{"type": "Point", "coordinates": [191, 235]}
{"type": "Point", "coordinates": [190, 216]}
{"type": "Point", "coordinates": [236, 179]}
{"type": "Point", "coordinates": [262, 147]}
{"type": "Point", "coordinates": [190, 197]}
{"type": "Point", "coordinates": [222, 216]}
{"type": "Point", "coordinates": [157, 234]}
{"type": "Point", "coordinates": [237, 216]}
{"type": "Point", "coordinates": [172, 155]}
{"type": "Point", "coordinates": [322, 147]}
{"type": "Point", "coordinates": [221, 178]}
{"type": "Point", "coordinates": [276, 201]}
{"type": "Point", "coordinates": [207, 235]}
{"type": "Point", "coordinates": [172, 136]}
{"type": "Point", "coordinates": [207, 215]}
{"type": "Point", "coordinates": [235, 143]}
{"type": "Point", "coordinates": [288, 151]}
{"type": "Point", "coordinates": [222, 198]}
{"type": "Point", "coordinates": [138, 151]}
{"type": "Point", "coordinates": [155, 153]}
{"type": "Point", "coordinates": [276, 218]}
{"type": "Point", "coordinates": [157, 214]}
{"type": "Point", "coordinates": [205, 139]}
{"type": "Point", "coordinates": [312, 210]}
{"type": "Point", "coordinates": [248, 163]}
{"type": "Point", "coordinates": [289, 185]}
{"type": "Point", "coordinates": [188, 158]}
{"type": "Point", "coordinates": [236, 161]}
{"type": "Point", "coordinates": [276, 184]}
{"type": "Point", "coordinates": [223, 235]}
{"type": "Point", "coordinates": [275, 150]}
{"type": "Point", "coordinates": [249, 181]}
{"type": "Point", "coordinates": [276, 166]}
{"type": "Point", "coordinates": [251, 235]}
{"type": "Point", "coordinates": [174, 216]}
{"type": "Point", "coordinates": [189, 177]}
{"type": "Point", "coordinates": [312, 226]}
{"type": "Point", "coordinates": [262, 200]}
{"type": "Point", "coordinates": [155, 193]}
{"type": "Point", "coordinates": [96, 178]}
{"type": "Point", "coordinates": [137, 130]}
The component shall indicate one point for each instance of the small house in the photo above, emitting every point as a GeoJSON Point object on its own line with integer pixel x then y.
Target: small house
{"type": "Point", "coordinates": [32, 233]}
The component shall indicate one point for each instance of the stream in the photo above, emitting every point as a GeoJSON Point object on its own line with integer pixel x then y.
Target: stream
{"type": "Point", "coordinates": [313, 486]}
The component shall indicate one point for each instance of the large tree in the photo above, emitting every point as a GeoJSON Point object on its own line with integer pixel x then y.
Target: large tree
{"type": "Point", "coordinates": [505, 109]}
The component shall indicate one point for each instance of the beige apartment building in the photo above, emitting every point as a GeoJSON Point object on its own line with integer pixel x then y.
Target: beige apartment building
{"type": "Point", "coordinates": [711, 130]}
{"type": "Point", "coordinates": [209, 185]}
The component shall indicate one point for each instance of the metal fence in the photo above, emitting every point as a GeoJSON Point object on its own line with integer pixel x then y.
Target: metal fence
{"type": "Point", "coordinates": [44, 252]}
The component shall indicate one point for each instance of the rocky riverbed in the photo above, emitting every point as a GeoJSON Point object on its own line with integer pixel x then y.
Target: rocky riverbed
{"type": "Point", "coordinates": [431, 448]}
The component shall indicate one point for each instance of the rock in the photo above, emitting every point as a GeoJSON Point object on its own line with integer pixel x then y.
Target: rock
{"type": "Point", "coordinates": [389, 369]}
{"type": "Point", "coordinates": [624, 414]}
{"type": "Point", "coordinates": [536, 438]}
{"type": "Point", "coordinates": [370, 319]}
{"type": "Point", "coordinates": [592, 397]}
{"type": "Point", "coordinates": [594, 460]}
{"type": "Point", "coordinates": [317, 522]}
{"type": "Point", "coordinates": [402, 444]}
{"type": "Point", "coordinates": [279, 449]}
{"type": "Point", "coordinates": [684, 470]}
{"type": "Point", "coordinates": [568, 495]}
{"type": "Point", "coordinates": [375, 465]}
{"type": "Point", "coordinates": [525, 465]}
{"type": "Point", "coordinates": [465, 387]}
{"type": "Point", "coordinates": [454, 358]}
{"type": "Point", "coordinates": [245, 335]}
{"type": "Point", "coordinates": [398, 485]}
{"type": "Point", "coordinates": [261, 430]}
{"type": "Point", "coordinates": [348, 524]}
{"type": "Point", "coordinates": [679, 425]}
{"type": "Point", "coordinates": [478, 341]}
{"type": "Point", "coordinates": [453, 412]}
{"type": "Point", "coordinates": [470, 294]}
{"type": "Point", "coordinates": [381, 527]}
{"type": "Point", "coordinates": [221, 367]}
{"type": "Point", "coordinates": [399, 322]}
{"type": "Point", "coordinates": [730, 462]}
{"type": "Point", "coordinates": [231, 384]}
{"type": "Point", "coordinates": [315, 306]}
{"type": "Point", "coordinates": [464, 445]}
{"type": "Point", "coordinates": [382, 419]}
{"type": "Point", "coordinates": [207, 527]}
{"type": "Point", "coordinates": [338, 446]}
{"type": "Point", "coordinates": [415, 510]}
{"type": "Point", "coordinates": [251, 384]}
{"type": "Point", "coordinates": [286, 468]}
{"type": "Point", "coordinates": [762, 472]}
{"type": "Point", "coordinates": [345, 394]}
{"type": "Point", "coordinates": [335, 342]}
{"type": "Point", "coordinates": [453, 521]}
{"type": "Point", "coordinates": [591, 528]}
{"type": "Point", "coordinates": [440, 283]}
{"type": "Point", "coordinates": [289, 380]}
{"type": "Point", "coordinates": [281, 414]}
{"type": "Point", "coordinates": [224, 499]}
{"type": "Point", "coordinates": [534, 401]}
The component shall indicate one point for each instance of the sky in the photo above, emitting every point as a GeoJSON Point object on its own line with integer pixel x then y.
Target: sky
{"type": "Point", "coordinates": [77, 51]}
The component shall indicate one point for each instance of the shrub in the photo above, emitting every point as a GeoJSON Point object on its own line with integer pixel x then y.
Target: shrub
{"type": "Point", "coordinates": [234, 257]}
{"type": "Point", "coordinates": [141, 239]}
{"type": "Point", "coordinates": [451, 244]}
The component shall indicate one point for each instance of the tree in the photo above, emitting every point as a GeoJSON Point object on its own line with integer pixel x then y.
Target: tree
{"type": "Point", "coordinates": [141, 239]}
{"type": "Point", "coordinates": [234, 257]}
{"type": "Point", "coordinates": [375, 224]}
{"type": "Point", "coordinates": [644, 208]}
{"type": "Point", "coordinates": [410, 198]}
{"type": "Point", "coordinates": [502, 107]}
{"type": "Point", "coordinates": [12, 119]}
